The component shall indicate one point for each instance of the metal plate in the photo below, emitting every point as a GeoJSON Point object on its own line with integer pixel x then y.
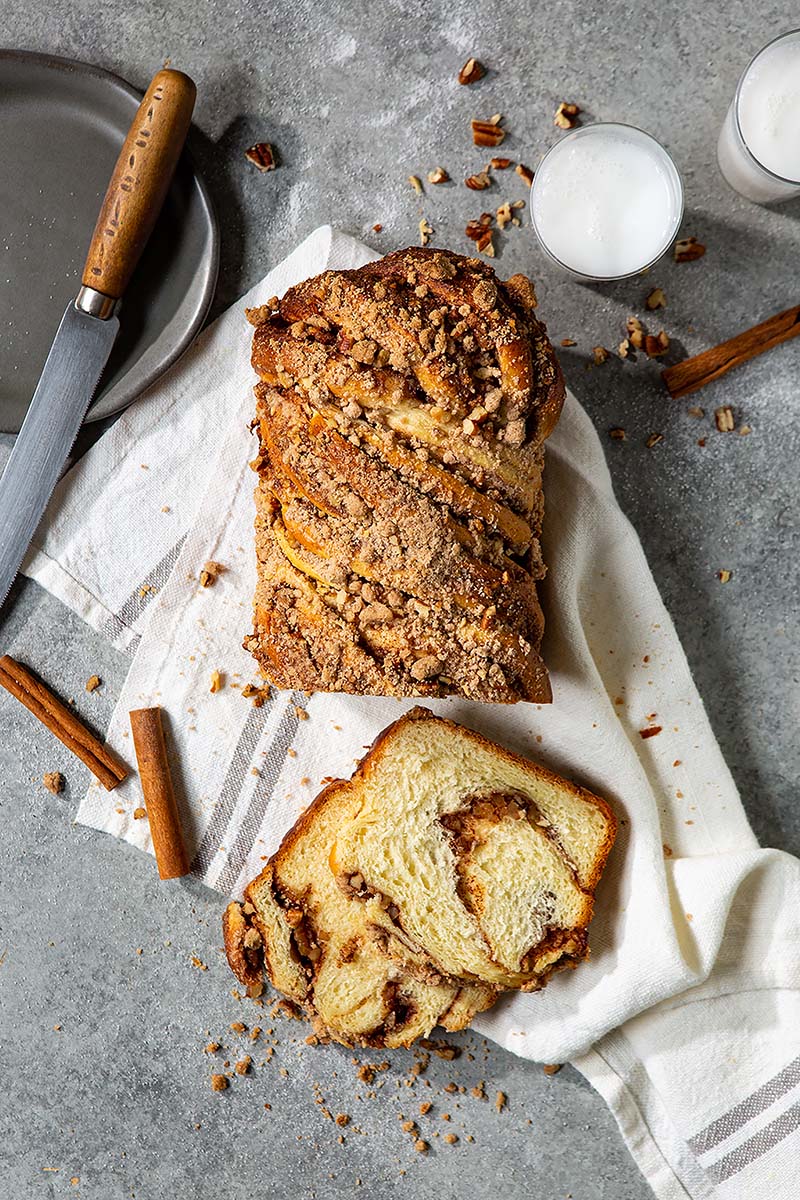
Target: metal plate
{"type": "Point", "coordinates": [62, 124]}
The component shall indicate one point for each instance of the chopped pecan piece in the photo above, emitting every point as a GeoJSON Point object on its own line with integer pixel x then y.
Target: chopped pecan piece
{"type": "Point", "coordinates": [263, 156]}
{"type": "Point", "coordinates": [53, 781]}
{"type": "Point", "coordinates": [723, 417]}
{"type": "Point", "coordinates": [568, 342]}
{"type": "Point", "coordinates": [438, 175]}
{"type": "Point", "coordinates": [416, 184]}
{"type": "Point", "coordinates": [485, 244]}
{"type": "Point", "coordinates": [654, 347]}
{"type": "Point", "coordinates": [504, 216]}
{"type": "Point", "coordinates": [724, 576]}
{"type": "Point", "coordinates": [688, 249]}
{"type": "Point", "coordinates": [501, 164]}
{"type": "Point", "coordinates": [601, 355]}
{"type": "Point", "coordinates": [617, 435]}
{"type": "Point", "coordinates": [488, 133]}
{"type": "Point", "coordinates": [524, 173]}
{"type": "Point", "coordinates": [479, 182]}
{"type": "Point", "coordinates": [656, 299]}
{"type": "Point", "coordinates": [471, 71]}
{"type": "Point", "coordinates": [566, 115]}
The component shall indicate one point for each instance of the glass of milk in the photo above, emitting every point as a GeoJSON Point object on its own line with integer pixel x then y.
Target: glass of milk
{"type": "Point", "coordinates": [759, 144]}
{"type": "Point", "coordinates": [606, 201]}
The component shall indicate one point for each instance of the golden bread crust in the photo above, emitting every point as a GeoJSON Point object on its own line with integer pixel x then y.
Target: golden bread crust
{"type": "Point", "coordinates": [401, 414]}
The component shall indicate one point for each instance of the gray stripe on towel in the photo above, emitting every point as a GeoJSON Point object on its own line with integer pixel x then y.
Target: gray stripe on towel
{"type": "Point", "coordinates": [755, 1147]}
{"type": "Point", "coordinates": [757, 1102]}
{"type": "Point", "coordinates": [138, 600]}
{"type": "Point", "coordinates": [241, 760]}
{"type": "Point", "coordinates": [251, 822]}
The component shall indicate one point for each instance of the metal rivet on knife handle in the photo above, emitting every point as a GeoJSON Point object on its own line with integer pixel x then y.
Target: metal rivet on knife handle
{"type": "Point", "coordinates": [139, 184]}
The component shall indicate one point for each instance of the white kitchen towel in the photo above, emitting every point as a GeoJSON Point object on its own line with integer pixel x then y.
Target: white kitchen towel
{"type": "Point", "coordinates": [687, 1016]}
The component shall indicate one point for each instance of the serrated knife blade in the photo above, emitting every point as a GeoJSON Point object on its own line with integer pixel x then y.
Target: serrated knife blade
{"type": "Point", "coordinates": [66, 386]}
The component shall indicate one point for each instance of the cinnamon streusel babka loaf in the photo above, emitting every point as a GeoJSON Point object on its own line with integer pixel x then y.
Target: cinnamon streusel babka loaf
{"type": "Point", "coordinates": [445, 871]}
{"type": "Point", "coordinates": [402, 412]}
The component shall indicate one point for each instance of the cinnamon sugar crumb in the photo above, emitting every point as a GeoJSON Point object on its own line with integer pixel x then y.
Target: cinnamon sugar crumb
{"type": "Point", "coordinates": [219, 1083]}
{"type": "Point", "coordinates": [139, 813]}
{"type": "Point", "coordinates": [53, 781]}
{"type": "Point", "coordinates": [501, 1100]}
{"type": "Point", "coordinates": [93, 683]}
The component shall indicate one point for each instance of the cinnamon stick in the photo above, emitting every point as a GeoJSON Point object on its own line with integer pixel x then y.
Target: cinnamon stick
{"type": "Point", "coordinates": [159, 797]}
{"type": "Point", "coordinates": [693, 373]}
{"type": "Point", "coordinates": [61, 721]}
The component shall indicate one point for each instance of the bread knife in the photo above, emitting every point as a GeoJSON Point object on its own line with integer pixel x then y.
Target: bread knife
{"type": "Point", "coordinates": [90, 324]}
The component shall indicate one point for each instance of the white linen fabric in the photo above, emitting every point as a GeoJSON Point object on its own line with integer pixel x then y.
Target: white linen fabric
{"type": "Point", "coordinates": [687, 1016]}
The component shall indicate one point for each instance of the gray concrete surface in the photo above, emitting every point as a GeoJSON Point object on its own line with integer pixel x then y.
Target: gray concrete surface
{"type": "Point", "coordinates": [102, 1069]}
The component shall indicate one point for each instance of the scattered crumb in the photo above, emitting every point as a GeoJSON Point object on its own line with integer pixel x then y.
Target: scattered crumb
{"type": "Point", "coordinates": [450, 1138]}
{"type": "Point", "coordinates": [617, 435]}
{"type": "Point", "coordinates": [656, 299]}
{"type": "Point", "coordinates": [238, 1027]}
{"type": "Point", "coordinates": [694, 410]}
{"type": "Point", "coordinates": [438, 175]}
{"type": "Point", "coordinates": [219, 1083]}
{"type": "Point", "coordinates": [425, 1107]}
{"type": "Point", "coordinates": [667, 850]}
{"type": "Point", "coordinates": [377, 228]}
{"type": "Point", "coordinates": [216, 681]}
{"type": "Point", "coordinates": [479, 1091]}
{"type": "Point", "coordinates": [198, 962]}
{"type": "Point", "coordinates": [139, 813]}
{"type": "Point", "coordinates": [724, 576]}
{"type": "Point", "coordinates": [501, 1100]}
{"type": "Point", "coordinates": [421, 1146]}
{"type": "Point", "coordinates": [93, 683]}
{"type": "Point", "coordinates": [552, 1068]}
{"type": "Point", "coordinates": [568, 342]}
{"type": "Point", "coordinates": [425, 231]}
{"type": "Point", "coordinates": [211, 573]}
{"type": "Point", "coordinates": [258, 695]}
{"type": "Point", "coordinates": [243, 1065]}
{"type": "Point", "coordinates": [653, 440]}
{"type": "Point", "coordinates": [53, 781]}
{"type": "Point", "coordinates": [211, 1048]}
{"type": "Point", "coordinates": [342, 1119]}
{"type": "Point", "coordinates": [650, 731]}
{"type": "Point", "coordinates": [300, 713]}
{"type": "Point", "coordinates": [416, 184]}
{"type": "Point", "coordinates": [600, 354]}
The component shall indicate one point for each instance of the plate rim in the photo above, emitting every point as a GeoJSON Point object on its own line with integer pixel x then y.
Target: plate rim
{"type": "Point", "coordinates": [97, 411]}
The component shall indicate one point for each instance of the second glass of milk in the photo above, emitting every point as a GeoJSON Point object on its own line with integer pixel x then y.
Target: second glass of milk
{"type": "Point", "coordinates": [759, 144]}
{"type": "Point", "coordinates": [606, 201]}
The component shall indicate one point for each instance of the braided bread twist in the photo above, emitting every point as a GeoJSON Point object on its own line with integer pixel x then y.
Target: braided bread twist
{"type": "Point", "coordinates": [402, 409]}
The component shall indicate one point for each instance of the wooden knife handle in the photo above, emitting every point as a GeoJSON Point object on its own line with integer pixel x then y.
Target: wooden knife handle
{"type": "Point", "coordinates": [139, 184]}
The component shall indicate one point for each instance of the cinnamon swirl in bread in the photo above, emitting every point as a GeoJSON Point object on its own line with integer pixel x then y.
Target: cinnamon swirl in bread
{"type": "Point", "coordinates": [402, 411]}
{"type": "Point", "coordinates": [445, 871]}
